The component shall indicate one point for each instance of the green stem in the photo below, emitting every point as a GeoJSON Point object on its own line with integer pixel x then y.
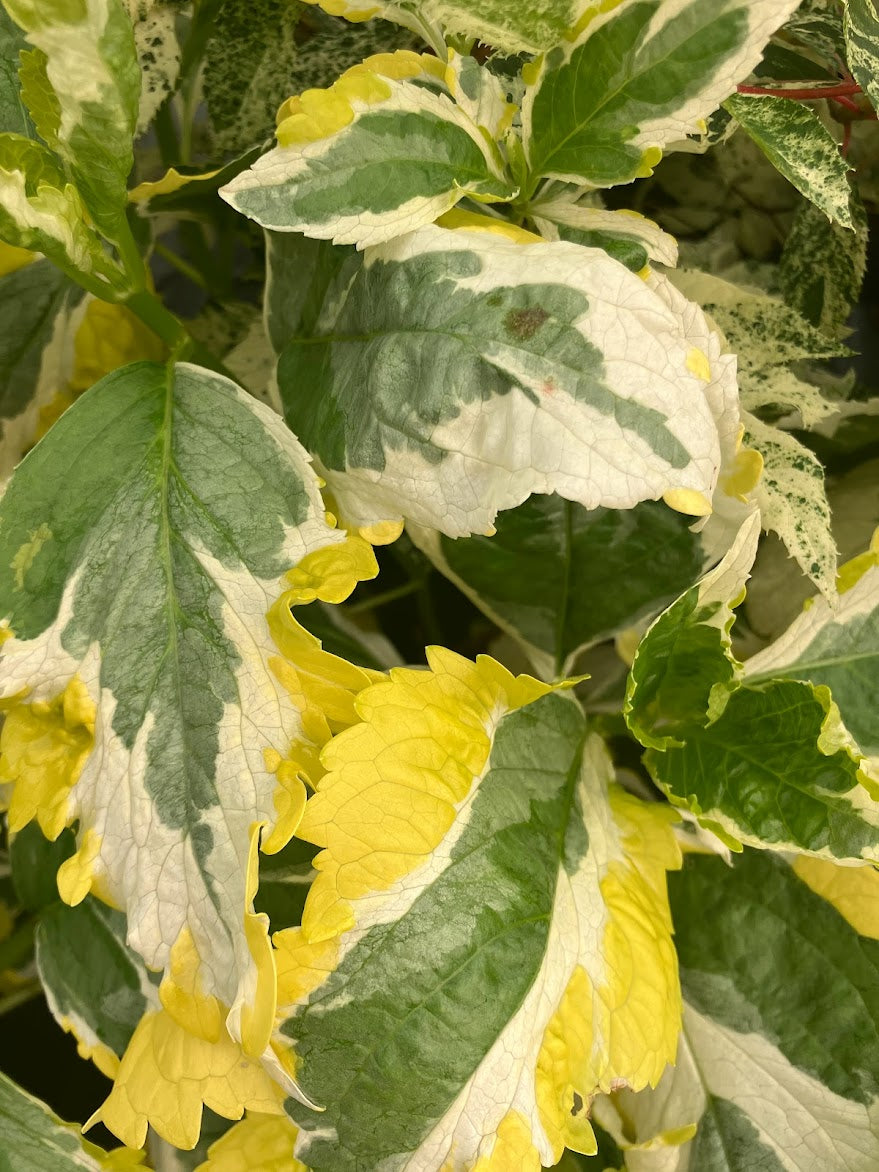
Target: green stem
{"type": "Point", "coordinates": [182, 266]}
{"type": "Point", "coordinates": [162, 322]}
{"type": "Point", "coordinates": [166, 134]}
{"type": "Point", "coordinates": [384, 598]}
{"type": "Point", "coordinates": [20, 997]}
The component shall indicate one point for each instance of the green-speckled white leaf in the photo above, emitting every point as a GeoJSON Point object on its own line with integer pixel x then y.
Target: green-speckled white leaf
{"type": "Point", "coordinates": [836, 645]}
{"type": "Point", "coordinates": [88, 62]}
{"type": "Point", "coordinates": [96, 987]}
{"type": "Point", "coordinates": [641, 77]}
{"type": "Point", "coordinates": [39, 311]}
{"type": "Point", "coordinates": [34, 1139]}
{"type": "Point", "coordinates": [798, 145]}
{"type": "Point", "coordinates": [793, 500]}
{"type": "Point", "coordinates": [862, 44]}
{"type": "Point", "coordinates": [158, 53]}
{"type": "Point", "coordinates": [42, 211]}
{"type": "Point", "coordinates": [470, 930]}
{"type": "Point", "coordinates": [565, 209]}
{"type": "Point", "coordinates": [512, 27]}
{"type": "Point", "coordinates": [822, 266]}
{"type": "Point", "coordinates": [517, 368]}
{"type": "Point", "coordinates": [406, 154]}
{"type": "Point", "coordinates": [777, 1063]}
{"type": "Point", "coordinates": [142, 544]}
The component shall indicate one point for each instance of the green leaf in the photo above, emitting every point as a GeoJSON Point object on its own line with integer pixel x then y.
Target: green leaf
{"type": "Point", "coordinates": [383, 151]}
{"type": "Point", "coordinates": [518, 368]}
{"type": "Point", "coordinates": [793, 500]}
{"type": "Point", "coordinates": [14, 117]}
{"type": "Point", "coordinates": [684, 667]}
{"type": "Point", "coordinates": [511, 27]}
{"type": "Point", "coordinates": [559, 577]}
{"type": "Point", "coordinates": [798, 145]}
{"type": "Point", "coordinates": [38, 311]}
{"type": "Point", "coordinates": [862, 45]}
{"type": "Point", "coordinates": [91, 70]}
{"type": "Point", "coordinates": [640, 78]}
{"type": "Point", "coordinates": [41, 211]}
{"type": "Point", "coordinates": [299, 273]}
{"type": "Point", "coordinates": [144, 590]}
{"type": "Point", "coordinates": [33, 1139]}
{"type": "Point", "coordinates": [341, 636]}
{"type": "Point", "coordinates": [775, 769]}
{"type": "Point", "coordinates": [822, 267]}
{"type": "Point", "coordinates": [96, 987]}
{"type": "Point", "coordinates": [835, 644]}
{"type": "Point", "coordinates": [778, 1057]}
{"type": "Point", "coordinates": [459, 971]}
{"type": "Point", "coordinates": [35, 862]}
{"type": "Point", "coordinates": [284, 882]}
{"type": "Point", "coordinates": [818, 25]}
{"type": "Point", "coordinates": [593, 226]}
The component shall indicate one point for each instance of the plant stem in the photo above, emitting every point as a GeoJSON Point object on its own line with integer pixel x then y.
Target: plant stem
{"type": "Point", "coordinates": [20, 997]}
{"type": "Point", "coordinates": [807, 93]}
{"type": "Point", "coordinates": [162, 322]}
{"type": "Point", "coordinates": [182, 266]}
{"type": "Point", "coordinates": [384, 598]}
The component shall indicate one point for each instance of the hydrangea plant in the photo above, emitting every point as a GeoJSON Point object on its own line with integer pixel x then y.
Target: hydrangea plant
{"type": "Point", "coordinates": [542, 316]}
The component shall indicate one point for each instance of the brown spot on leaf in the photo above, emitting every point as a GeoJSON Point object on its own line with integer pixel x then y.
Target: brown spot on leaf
{"type": "Point", "coordinates": [524, 323]}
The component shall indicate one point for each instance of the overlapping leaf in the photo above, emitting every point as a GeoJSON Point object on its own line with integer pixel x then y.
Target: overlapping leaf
{"type": "Point", "coordinates": [762, 952]}
{"type": "Point", "coordinates": [143, 586]}
{"type": "Point", "coordinates": [486, 944]}
{"type": "Point", "coordinates": [567, 216]}
{"type": "Point", "coordinates": [862, 45]}
{"type": "Point", "coordinates": [518, 368]}
{"type": "Point", "coordinates": [765, 761]}
{"type": "Point", "coordinates": [380, 153]}
{"type": "Point", "coordinates": [798, 145]}
{"type": "Point", "coordinates": [560, 577]}
{"type": "Point", "coordinates": [640, 77]}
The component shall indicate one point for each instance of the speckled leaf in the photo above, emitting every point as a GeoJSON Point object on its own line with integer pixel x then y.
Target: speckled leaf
{"type": "Point", "coordinates": [793, 500]}
{"type": "Point", "coordinates": [836, 645]}
{"type": "Point", "coordinates": [462, 971]}
{"type": "Point", "coordinates": [559, 577]}
{"type": "Point", "coordinates": [862, 45]}
{"type": "Point", "coordinates": [518, 368]}
{"type": "Point", "coordinates": [641, 77]}
{"type": "Point", "coordinates": [138, 580]}
{"type": "Point", "coordinates": [158, 53]}
{"type": "Point", "coordinates": [33, 1139]}
{"type": "Point", "coordinates": [798, 145]}
{"type": "Point", "coordinates": [777, 1064]}
{"type": "Point", "coordinates": [96, 987]}
{"type": "Point", "coordinates": [38, 313]}
{"type": "Point", "coordinates": [91, 72]}
{"type": "Point", "coordinates": [511, 27]}
{"type": "Point", "coordinates": [822, 266]}
{"type": "Point", "coordinates": [380, 153]}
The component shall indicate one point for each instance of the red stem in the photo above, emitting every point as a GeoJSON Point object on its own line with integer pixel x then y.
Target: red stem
{"type": "Point", "coordinates": [848, 104]}
{"type": "Point", "coordinates": [844, 89]}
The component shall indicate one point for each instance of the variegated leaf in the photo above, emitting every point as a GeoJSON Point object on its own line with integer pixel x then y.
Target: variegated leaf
{"type": "Point", "coordinates": [793, 500]}
{"type": "Point", "coordinates": [798, 145]}
{"type": "Point", "coordinates": [566, 212]}
{"type": "Point", "coordinates": [41, 211]}
{"type": "Point", "coordinates": [14, 117]}
{"type": "Point", "coordinates": [34, 1139]}
{"type": "Point", "coordinates": [464, 967]}
{"type": "Point", "coordinates": [836, 645]}
{"type": "Point", "coordinates": [862, 44]}
{"type": "Point", "coordinates": [87, 71]}
{"type": "Point", "coordinates": [39, 311]}
{"type": "Point", "coordinates": [777, 1065]}
{"type": "Point", "coordinates": [151, 633]}
{"type": "Point", "coordinates": [518, 368]}
{"type": "Point", "coordinates": [382, 152]}
{"type": "Point", "coordinates": [762, 761]}
{"type": "Point", "coordinates": [640, 77]}
{"type": "Point", "coordinates": [511, 27]}
{"type": "Point", "coordinates": [559, 577]}
{"type": "Point", "coordinates": [158, 53]}
{"type": "Point", "coordinates": [822, 266]}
